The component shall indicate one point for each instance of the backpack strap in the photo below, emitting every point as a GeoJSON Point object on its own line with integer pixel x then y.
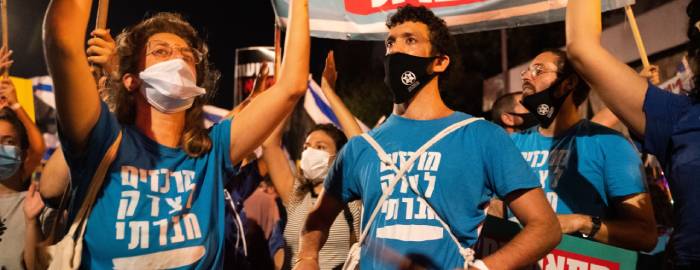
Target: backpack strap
{"type": "Point", "coordinates": [467, 253]}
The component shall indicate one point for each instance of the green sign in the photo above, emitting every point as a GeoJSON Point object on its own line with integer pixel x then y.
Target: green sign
{"type": "Point", "coordinates": [572, 253]}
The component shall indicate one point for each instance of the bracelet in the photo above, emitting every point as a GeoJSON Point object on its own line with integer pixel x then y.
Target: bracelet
{"type": "Point", "coordinates": [479, 264]}
{"type": "Point", "coordinates": [15, 106]}
{"type": "Point", "coordinates": [299, 259]}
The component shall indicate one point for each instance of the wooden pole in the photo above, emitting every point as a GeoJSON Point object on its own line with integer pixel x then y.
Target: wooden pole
{"type": "Point", "coordinates": [5, 32]}
{"type": "Point", "coordinates": [278, 51]}
{"type": "Point", "coordinates": [102, 11]}
{"type": "Point", "coordinates": [637, 36]}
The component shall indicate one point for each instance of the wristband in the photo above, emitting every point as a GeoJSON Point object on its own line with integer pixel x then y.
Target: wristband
{"type": "Point", "coordinates": [596, 226]}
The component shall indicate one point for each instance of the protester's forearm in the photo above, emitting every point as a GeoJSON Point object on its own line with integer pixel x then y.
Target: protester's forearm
{"type": "Point", "coordinates": [65, 24]}
{"type": "Point", "coordinates": [629, 234]}
{"type": "Point", "coordinates": [295, 65]}
{"type": "Point", "coordinates": [32, 238]}
{"type": "Point", "coordinates": [532, 243]}
{"type": "Point", "coordinates": [345, 116]}
{"type": "Point", "coordinates": [314, 235]}
{"type": "Point", "coordinates": [36, 143]}
{"type": "Point", "coordinates": [583, 22]}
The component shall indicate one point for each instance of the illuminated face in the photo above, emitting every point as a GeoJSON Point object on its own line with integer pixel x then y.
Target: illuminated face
{"type": "Point", "coordinates": [410, 38]}
{"type": "Point", "coordinates": [540, 74]}
{"type": "Point", "coordinates": [162, 47]}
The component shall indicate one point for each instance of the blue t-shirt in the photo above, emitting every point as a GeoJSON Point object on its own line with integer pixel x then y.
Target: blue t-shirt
{"type": "Point", "coordinates": [458, 175]}
{"type": "Point", "coordinates": [585, 168]}
{"type": "Point", "coordinates": [158, 208]}
{"type": "Point", "coordinates": [673, 135]}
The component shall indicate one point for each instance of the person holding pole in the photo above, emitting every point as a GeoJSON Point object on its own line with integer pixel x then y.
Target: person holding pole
{"type": "Point", "coordinates": [668, 124]}
{"type": "Point", "coordinates": [429, 211]}
{"type": "Point", "coordinates": [161, 204]}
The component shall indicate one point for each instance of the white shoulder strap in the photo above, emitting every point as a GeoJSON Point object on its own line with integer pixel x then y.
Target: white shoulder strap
{"type": "Point", "coordinates": [467, 253]}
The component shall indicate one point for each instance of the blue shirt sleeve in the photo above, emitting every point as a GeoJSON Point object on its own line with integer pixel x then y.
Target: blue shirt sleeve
{"type": "Point", "coordinates": [623, 166]}
{"type": "Point", "coordinates": [84, 164]}
{"type": "Point", "coordinates": [506, 169]}
{"type": "Point", "coordinates": [340, 182]}
{"type": "Point", "coordinates": [220, 135]}
{"type": "Point", "coordinates": [663, 110]}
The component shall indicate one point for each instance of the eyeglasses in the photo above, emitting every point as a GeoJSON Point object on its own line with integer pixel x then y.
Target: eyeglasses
{"type": "Point", "coordinates": [536, 70]}
{"type": "Point", "coordinates": [164, 51]}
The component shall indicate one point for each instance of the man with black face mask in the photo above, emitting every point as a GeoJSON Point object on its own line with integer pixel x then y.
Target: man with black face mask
{"type": "Point", "coordinates": [591, 174]}
{"type": "Point", "coordinates": [430, 213]}
{"type": "Point", "coordinates": [509, 113]}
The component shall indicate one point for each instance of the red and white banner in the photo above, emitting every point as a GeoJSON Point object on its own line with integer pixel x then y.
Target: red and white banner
{"type": "Point", "coordinates": [365, 19]}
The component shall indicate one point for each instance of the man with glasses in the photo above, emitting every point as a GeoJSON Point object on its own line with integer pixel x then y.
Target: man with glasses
{"type": "Point", "coordinates": [591, 174]}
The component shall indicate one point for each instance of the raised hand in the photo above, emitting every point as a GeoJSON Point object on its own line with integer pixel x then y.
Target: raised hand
{"type": "Point", "coordinates": [101, 50]}
{"type": "Point", "coordinates": [5, 59]}
{"type": "Point", "coordinates": [33, 204]}
{"type": "Point", "coordinates": [330, 74]}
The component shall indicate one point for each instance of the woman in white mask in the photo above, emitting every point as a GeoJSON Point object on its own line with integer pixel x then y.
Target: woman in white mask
{"type": "Point", "coordinates": [162, 204]}
{"type": "Point", "coordinates": [299, 192]}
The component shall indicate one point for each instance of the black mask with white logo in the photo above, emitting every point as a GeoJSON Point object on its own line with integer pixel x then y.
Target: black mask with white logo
{"type": "Point", "coordinates": [406, 75]}
{"type": "Point", "coordinates": [544, 105]}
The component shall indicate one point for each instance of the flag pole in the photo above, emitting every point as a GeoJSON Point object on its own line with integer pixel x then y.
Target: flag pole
{"type": "Point", "coordinates": [637, 36]}
{"type": "Point", "coordinates": [5, 34]}
{"type": "Point", "coordinates": [278, 50]}
{"type": "Point", "coordinates": [102, 11]}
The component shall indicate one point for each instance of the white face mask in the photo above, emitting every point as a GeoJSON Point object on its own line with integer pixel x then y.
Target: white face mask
{"type": "Point", "coordinates": [314, 164]}
{"type": "Point", "coordinates": [170, 86]}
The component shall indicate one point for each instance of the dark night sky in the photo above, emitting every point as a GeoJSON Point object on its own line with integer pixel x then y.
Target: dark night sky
{"type": "Point", "coordinates": [224, 28]}
{"type": "Point", "coordinates": [251, 23]}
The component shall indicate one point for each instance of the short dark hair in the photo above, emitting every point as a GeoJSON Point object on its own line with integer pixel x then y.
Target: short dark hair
{"type": "Point", "coordinates": [336, 134]}
{"type": "Point", "coordinates": [6, 114]}
{"type": "Point", "coordinates": [503, 104]}
{"type": "Point", "coordinates": [565, 70]}
{"type": "Point", "coordinates": [441, 40]}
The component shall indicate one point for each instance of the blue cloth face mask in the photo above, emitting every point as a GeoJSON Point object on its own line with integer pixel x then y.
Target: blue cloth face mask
{"type": "Point", "coordinates": [170, 86]}
{"type": "Point", "coordinates": [10, 160]}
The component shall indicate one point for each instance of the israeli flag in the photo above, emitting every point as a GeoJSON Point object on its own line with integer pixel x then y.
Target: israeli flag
{"type": "Point", "coordinates": [319, 109]}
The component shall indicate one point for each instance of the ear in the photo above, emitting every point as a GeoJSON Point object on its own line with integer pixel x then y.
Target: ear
{"type": "Point", "coordinates": [507, 119]}
{"type": "Point", "coordinates": [441, 63]}
{"type": "Point", "coordinates": [568, 85]}
{"type": "Point", "coordinates": [131, 82]}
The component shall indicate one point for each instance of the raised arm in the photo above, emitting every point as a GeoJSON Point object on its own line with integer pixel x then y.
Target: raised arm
{"type": "Point", "coordinates": [33, 205]}
{"type": "Point", "coordinates": [55, 176]}
{"type": "Point", "coordinates": [8, 95]}
{"type": "Point", "coordinates": [255, 123]}
{"type": "Point", "coordinates": [77, 101]}
{"type": "Point", "coordinates": [540, 234]}
{"type": "Point", "coordinates": [315, 231]}
{"type": "Point", "coordinates": [278, 165]}
{"type": "Point", "coordinates": [620, 87]}
{"type": "Point", "coordinates": [345, 117]}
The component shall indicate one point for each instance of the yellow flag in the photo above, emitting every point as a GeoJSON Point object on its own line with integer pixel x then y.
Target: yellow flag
{"type": "Point", "coordinates": [25, 95]}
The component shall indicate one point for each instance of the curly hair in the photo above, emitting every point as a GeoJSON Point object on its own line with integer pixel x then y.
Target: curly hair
{"type": "Point", "coordinates": [441, 41]}
{"type": "Point", "coordinates": [130, 49]}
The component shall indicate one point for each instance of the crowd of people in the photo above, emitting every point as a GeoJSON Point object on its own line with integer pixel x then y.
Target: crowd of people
{"type": "Point", "coordinates": [140, 183]}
